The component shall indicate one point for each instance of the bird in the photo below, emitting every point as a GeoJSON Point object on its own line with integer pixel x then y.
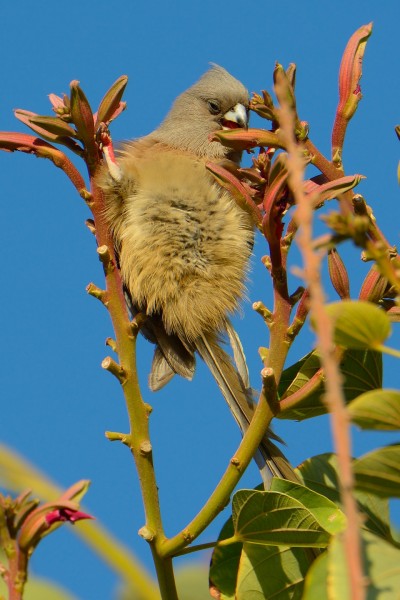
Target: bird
{"type": "Point", "coordinates": [183, 244]}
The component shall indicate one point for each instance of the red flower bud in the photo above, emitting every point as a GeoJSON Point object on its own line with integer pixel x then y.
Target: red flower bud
{"type": "Point", "coordinates": [338, 274]}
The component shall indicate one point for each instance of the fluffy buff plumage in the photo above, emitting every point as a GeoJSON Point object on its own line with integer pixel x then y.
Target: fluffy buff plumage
{"type": "Point", "coordinates": [183, 243]}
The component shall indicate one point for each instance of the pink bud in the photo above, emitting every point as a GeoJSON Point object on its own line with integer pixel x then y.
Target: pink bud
{"type": "Point", "coordinates": [349, 88]}
{"type": "Point", "coordinates": [338, 274]}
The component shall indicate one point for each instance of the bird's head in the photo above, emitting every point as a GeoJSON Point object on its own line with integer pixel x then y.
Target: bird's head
{"type": "Point", "coordinates": [216, 101]}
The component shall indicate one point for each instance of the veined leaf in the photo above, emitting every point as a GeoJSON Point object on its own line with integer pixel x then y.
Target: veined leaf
{"type": "Point", "coordinates": [275, 571]}
{"type": "Point", "coordinates": [271, 572]}
{"type": "Point", "coordinates": [276, 519]}
{"type": "Point", "coordinates": [326, 512]}
{"type": "Point", "coordinates": [361, 369]}
{"type": "Point", "coordinates": [376, 409]}
{"type": "Point", "coordinates": [328, 577]}
{"type": "Point", "coordinates": [359, 325]}
{"type": "Point", "coordinates": [320, 474]}
{"type": "Point", "coordinates": [378, 471]}
{"type": "Point", "coordinates": [224, 565]}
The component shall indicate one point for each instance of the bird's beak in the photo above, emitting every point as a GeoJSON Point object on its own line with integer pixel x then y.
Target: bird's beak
{"type": "Point", "coordinates": [235, 118]}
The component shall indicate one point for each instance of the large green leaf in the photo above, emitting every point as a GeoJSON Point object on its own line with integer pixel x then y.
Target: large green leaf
{"type": "Point", "coordinates": [328, 576]}
{"type": "Point", "coordinates": [325, 512]}
{"type": "Point", "coordinates": [270, 572]}
{"type": "Point", "coordinates": [320, 474]}
{"type": "Point", "coordinates": [377, 409]}
{"type": "Point", "coordinates": [379, 471]}
{"type": "Point", "coordinates": [361, 370]}
{"type": "Point", "coordinates": [359, 325]}
{"type": "Point", "coordinates": [256, 569]}
{"type": "Point", "coordinates": [315, 581]}
{"type": "Point", "coordinates": [239, 569]}
{"type": "Point", "coordinates": [225, 564]}
{"type": "Point", "coordinates": [276, 519]}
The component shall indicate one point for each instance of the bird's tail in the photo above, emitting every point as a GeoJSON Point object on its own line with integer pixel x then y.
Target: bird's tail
{"type": "Point", "coordinates": [235, 388]}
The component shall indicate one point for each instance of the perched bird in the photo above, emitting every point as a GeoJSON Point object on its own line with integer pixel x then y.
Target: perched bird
{"type": "Point", "coordinates": [183, 243]}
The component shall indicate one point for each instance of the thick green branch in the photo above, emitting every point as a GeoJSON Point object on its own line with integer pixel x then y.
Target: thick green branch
{"type": "Point", "coordinates": [238, 464]}
{"type": "Point", "coordinates": [139, 437]}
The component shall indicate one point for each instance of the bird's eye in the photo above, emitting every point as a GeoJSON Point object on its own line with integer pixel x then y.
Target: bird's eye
{"type": "Point", "coordinates": [214, 107]}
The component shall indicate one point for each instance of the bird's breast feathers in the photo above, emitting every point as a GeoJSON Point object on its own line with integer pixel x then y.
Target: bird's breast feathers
{"type": "Point", "coordinates": [182, 238]}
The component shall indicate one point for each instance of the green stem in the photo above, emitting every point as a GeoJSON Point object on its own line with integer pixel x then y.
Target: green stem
{"type": "Point", "coordinates": [138, 439]}
{"type": "Point", "coordinates": [197, 548]}
{"type": "Point", "coordinates": [165, 575]}
{"type": "Point", "coordinates": [290, 402]}
{"type": "Point", "coordinates": [238, 464]}
{"type": "Point", "coordinates": [388, 350]}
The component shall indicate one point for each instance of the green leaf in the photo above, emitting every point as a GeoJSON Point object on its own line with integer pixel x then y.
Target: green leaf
{"type": "Point", "coordinates": [377, 409]}
{"type": "Point", "coordinates": [275, 519]}
{"type": "Point", "coordinates": [328, 576]}
{"type": "Point", "coordinates": [271, 572]}
{"type": "Point", "coordinates": [295, 376]}
{"type": "Point", "coordinates": [325, 512]}
{"type": "Point", "coordinates": [225, 564]}
{"type": "Point", "coordinates": [320, 474]}
{"type": "Point", "coordinates": [359, 325]}
{"type": "Point", "coordinates": [234, 574]}
{"type": "Point", "coordinates": [315, 581]}
{"type": "Point", "coordinates": [379, 471]}
{"type": "Point", "coordinates": [361, 370]}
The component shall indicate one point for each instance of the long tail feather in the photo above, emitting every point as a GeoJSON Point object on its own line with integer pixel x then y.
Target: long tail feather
{"type": "Point", "coordinates": [240, 402]}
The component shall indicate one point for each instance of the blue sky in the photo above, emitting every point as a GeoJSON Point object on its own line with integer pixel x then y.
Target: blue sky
{"type": "Point", "coordinates": [56, 400]}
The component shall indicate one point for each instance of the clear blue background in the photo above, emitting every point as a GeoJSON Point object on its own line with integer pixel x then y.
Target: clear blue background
{"type": "Point", "coordinates": [56, 401]}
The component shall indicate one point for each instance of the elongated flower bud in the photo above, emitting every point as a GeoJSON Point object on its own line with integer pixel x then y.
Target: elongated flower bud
{"type": "Point", "coordinates": [338, 274]}
{"type": "Point", "coordinates": [374, 286]}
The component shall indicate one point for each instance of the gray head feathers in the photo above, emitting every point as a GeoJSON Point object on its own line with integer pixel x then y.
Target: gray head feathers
{"type": "Point", "coordinates": [197, 113]}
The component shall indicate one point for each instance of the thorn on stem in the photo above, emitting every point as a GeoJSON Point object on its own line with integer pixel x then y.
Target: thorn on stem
{"type": "Point", "coordinates": [235, 462]}
{"type": "Point", "coordinates": [113, 367]}
{"type": "Point", "coordinates": [266, 261]}
{"type": "Point", "coordinates": [111, 343]}
{"type": "Point", "coordinates": [86, 195]}
{"type": "Point", "coordinates": [137, 323]}
{"type": "Point", "coordinates": [96, 292]}
{"type": "Point", "coordinates": [262, 310]}
{"type": "Point", "coordinates": [149, 408]}
{"type": "Point", "coordinates": [105, 257]}
{"type": "Point", "coordinates": [187, 536]}
{"type": "Point", "coordinates": [115, 436]}
{"type": "Point", "coordinates": [91, 226]}
{"type": "Point", "coordinates": [269, 386]}
{"type": "Point", "coordinates": [147, 534]}
{"type": "Point", "coordinates": [146, 448]}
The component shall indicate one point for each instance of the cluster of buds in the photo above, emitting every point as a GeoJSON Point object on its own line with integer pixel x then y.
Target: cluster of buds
{"type": "Point", "coordinates": [24, 523]}
{"type": "Point", "coordinates": [74, 126]}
